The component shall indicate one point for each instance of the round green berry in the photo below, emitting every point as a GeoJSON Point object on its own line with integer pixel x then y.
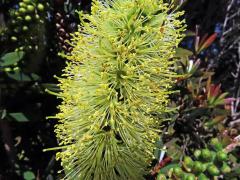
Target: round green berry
{"type": "Point", "coordinates": [188, 161]}
{"type": "Point", "coordinates": [25, 28]}
{"type": "Point", "coordinates": [27, 1]}
{"type": "Point", "coordinates": [28, 18]}
{"type": "Point", "coordinates": [204, 166]}
{"type": "Point", "coordinates": [37, 17]}
{"type": "Point", "coordinates": [30, 8]}
{"type": "Point", "coordinates": [40, 7]}
{"type": "Point", "coordinates": [221, 156]}
{"type": "Point", "coordinates": [19, 18]}
{"type": "Point", "coordinates": [22, 10]}
{"type": "Point", "coordinates": [213, 170]}
{"type": "Point", "coordinates": [225, 168]}
{"type": "Point", "coordinates": [177, 171]}
{"type": "Point", "coordinates": [161, 177]}
{"type": "Point", "coordinates": [22, 4]}
{"type": "Point", "coordinates": [206, 155]}
{"type": "Point", "coordinates": [14, 39]}
{"type": "Point", "coordinates": [197, 153]}
{"type": "Point", "coordinates": [202, 177]}
{"type": "Point", "coordinates": [29, 47]}
{"type": "Point", "coordinates": [9, 69]}
{"type": "Point", "coordinates": [216, 144]}
{"type": "Point", "coordinates": [16, 13]}
{"type": "Point", "coordinates": [198, 167]}
{"type": "Point", "coordinates": [189, 176]}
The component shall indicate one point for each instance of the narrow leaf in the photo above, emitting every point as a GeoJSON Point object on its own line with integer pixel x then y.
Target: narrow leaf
{"type": "Point", "coordinates": [20, 76]}
{"type": "Point", "coordinates": [180, 52]}
{"type": "Point", "coordinates": [165, 169]}
{"type": "Point", "coordinates": [19, 117]}
{"type": "Point", "coordinates": [208, 42]}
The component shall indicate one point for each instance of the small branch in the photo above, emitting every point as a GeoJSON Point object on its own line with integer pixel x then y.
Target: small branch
{"type": "Point", "coordinates": [233, 123]}
{"type": "Point", "coordinates": [8, 143]}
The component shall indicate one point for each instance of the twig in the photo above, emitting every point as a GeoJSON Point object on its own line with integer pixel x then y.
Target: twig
{"type": "Point", "coordinates": [8, 143]}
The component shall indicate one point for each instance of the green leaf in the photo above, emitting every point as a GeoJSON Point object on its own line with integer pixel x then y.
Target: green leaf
{"type": "Point", "coordinates": [215, 121]}
{"type": "Point", "coordinates": [3, 113]}
{"type": "Point", "coordinates": [20, 76]}
{"type": "Point", "coordinates": [195, 112]}
{"type": "Point", "coordinates": [158, 149]}
{"type": "Point", "coordinates": [165, 169]}
{"type": "Point", "coordinates": [28, 175]}
{"type": "Point", "coordinates": [11, 58]}
{"type": "Point", "coordinates": [180, 52]}
{"type": "Point", "coordinates": [174, 149]}
{"type": "Point", "coordinates": [19, 117]}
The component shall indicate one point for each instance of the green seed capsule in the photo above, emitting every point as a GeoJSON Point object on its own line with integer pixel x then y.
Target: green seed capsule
{"type": "Point", "coordinates": [202, 177]}
{"type": "Point", "coordinates": [225, 168]}
{"type": "Point", "coordinates": [16, 13]}
{"type": "Point", "coordinates": [177, 171]}
{"type": "Point", "coordinates": [198, 167]}
{"type": "Point", "coordinates": [37, 17]}
{"type": "Point", "coordinates": [40, 7]}
{"type": "Point", "coordinates": [29, 47]}
{"type": "Point", "coordinates": [188, 161]}
{"type": "Point", "coordinates": [216, 144]}
{"type": "Point", "coordinates": [204, 166]}
{"type": "Point", "coordinates": [213, 170]}
{"type": "Point", "coordinates": [27, 1]}
{"type": "Point", "coordinates": [30, 8]}
{"type": "Point", "coordinates": [28, 18]}
{"type": "Point", "coordinates": [189, 176]}
{"type": "Point", "coordinates": [25, 28]}
{"type": "Point", "coordinates": [9, 69]}
{"type": "Point", "coordinates": [14, 39]}
{"type": "Point", "coordinates": [19, 18]}
{"type": "Point", "coordinates": [22, 4]}
{"type": "Point", "coordinates": [206, 155]}
{"type": "Point", "coordinates": [221, 156]}
{"type": "Point", "coordinates": [197, 153]}
{"type": "Point", "coordinates": [161, 177]}
{"type": "Point", "coordinates": [22, 10]}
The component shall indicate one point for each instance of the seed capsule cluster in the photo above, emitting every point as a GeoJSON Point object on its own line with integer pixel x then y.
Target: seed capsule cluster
{"type": "Point", "coordinates": [206, 164]}
{"type": "Point", "coordinates": [62, 32]}
{"type": "Point", "coordinates": [23, 24]}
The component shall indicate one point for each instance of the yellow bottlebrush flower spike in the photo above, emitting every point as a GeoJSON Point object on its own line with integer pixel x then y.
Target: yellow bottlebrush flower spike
{"type": "Point", "coordinates": [118, 74]}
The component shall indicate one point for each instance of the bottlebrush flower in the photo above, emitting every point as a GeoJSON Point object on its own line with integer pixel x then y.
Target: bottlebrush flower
{"type": "Point", "coordinates": [118, 76]}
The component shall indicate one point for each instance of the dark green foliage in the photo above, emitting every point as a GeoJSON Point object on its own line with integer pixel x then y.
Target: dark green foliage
{"type": "Point", "coordinates": [207, 163]}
